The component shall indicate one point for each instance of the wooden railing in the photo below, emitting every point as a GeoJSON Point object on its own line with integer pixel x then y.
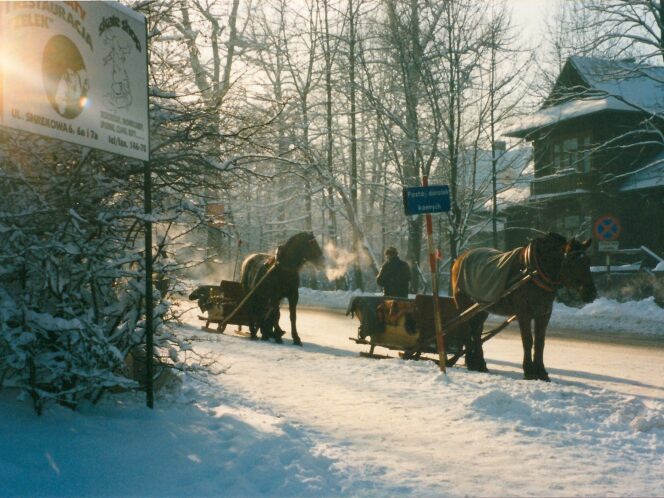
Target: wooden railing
{"type": "Point", "coordinates": [563, 182]}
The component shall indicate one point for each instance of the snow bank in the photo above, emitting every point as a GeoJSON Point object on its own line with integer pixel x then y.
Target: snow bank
{"type": "Point", "coordinates": [603, 315]}
{"type": "Point", "coordinates": [607, 315]}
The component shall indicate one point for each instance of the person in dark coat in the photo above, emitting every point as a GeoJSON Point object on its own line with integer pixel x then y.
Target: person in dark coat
{"type": "Point", "coordinates": [394, 275]}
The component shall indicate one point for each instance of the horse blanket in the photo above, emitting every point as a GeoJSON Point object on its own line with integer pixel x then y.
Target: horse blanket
{"type": "Point", "coordinates": [483, 273]}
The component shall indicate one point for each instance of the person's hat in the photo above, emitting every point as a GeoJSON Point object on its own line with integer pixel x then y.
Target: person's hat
{"type": "Point", "coordinates": [391, 251]}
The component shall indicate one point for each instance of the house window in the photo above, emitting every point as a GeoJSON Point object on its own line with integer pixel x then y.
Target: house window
{"type": "Point", "coordinates": [572, 153]}
{"type": "Point", "coordinates": [584, 164]}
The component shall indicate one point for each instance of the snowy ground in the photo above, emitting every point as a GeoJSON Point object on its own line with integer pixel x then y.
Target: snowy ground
{"type": "Point", "coordinates": [639, 318]}
{"type": "Point", "coordinates": [321, 421]}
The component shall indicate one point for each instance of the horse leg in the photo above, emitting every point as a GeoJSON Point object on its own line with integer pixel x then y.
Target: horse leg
{"type": "Point", "coordinates": [253, 325]}
{"type": "Point", "coordinates": [541, 323]}
{"type": "Point", "coordinates": [253, 330]}
{"type": "Point", "coordinates": [292, 308]}
{"type": "Point", "coordinates": [475, 353]}
{"type": "Point", "coordinates": [527, 342]}
{"type": "Point", "coordinates": [473, 341]}
{"type": "Point", "coordinates": [266, 329]}
{"type": "Point", "coordinates": [277, 332]}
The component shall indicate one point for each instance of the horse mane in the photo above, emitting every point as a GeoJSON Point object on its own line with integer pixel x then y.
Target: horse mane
{"type": "Point", "coordinates": [548, 253]}
{"type": "Point", "coordinates": [554, 238]}
{"type": "Point", "coordinates": [289, 254]}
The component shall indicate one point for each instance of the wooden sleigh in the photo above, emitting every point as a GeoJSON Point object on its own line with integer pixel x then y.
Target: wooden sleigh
{"type": "Point", "coordinates": [220, 304]}
{"type": "Point", "coordinates": [407, 325]}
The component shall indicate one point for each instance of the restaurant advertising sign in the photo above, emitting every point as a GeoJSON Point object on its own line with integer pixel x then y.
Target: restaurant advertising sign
{"type": "Point", "coordinates": [76, 71]}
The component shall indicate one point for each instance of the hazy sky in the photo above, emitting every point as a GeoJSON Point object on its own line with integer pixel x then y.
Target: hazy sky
{"type": "Point", "coordinates": [530, 14]}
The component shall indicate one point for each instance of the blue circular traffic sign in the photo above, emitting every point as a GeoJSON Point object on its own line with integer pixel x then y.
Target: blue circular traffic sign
{"type": "Point", "coordinates": [607, 228]}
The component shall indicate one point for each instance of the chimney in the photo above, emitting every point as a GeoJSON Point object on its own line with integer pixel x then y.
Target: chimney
{"type": "Point", "coordinates": [500, 146]}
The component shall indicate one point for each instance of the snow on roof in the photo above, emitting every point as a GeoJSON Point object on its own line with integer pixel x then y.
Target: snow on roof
{"type": "Point", "coordinates": [649, 176]}
{"type": "Point", "coordinates": [518, 192]}
{"type": "Point", "coordinates": [568, 110]}
{"type": "Point", "coordinates": [639, 84]}
{"type": "Point", "coordinates": [578, 191]}
{"type": "Point", "coordinates": [618, 85]}
{"type": "Point", "coordinates": [510, 164]}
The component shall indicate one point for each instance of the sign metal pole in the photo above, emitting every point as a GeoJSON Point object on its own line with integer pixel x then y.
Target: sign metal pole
{"type": "Point", "coordinates": [149, 305]}
{"type": "Point", "coordinates": [149, 326]}
{"type": "Point", "coordinates": [440, 341]}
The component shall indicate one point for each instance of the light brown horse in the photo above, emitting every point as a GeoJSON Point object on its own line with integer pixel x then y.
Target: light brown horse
{"type": "Point", "coordinates": [283, 281]}
{"type": "Point", "coordinates": [554, 262]}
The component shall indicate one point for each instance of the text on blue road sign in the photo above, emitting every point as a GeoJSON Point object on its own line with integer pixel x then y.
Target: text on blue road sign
{"type": "Point", "coordinates": [431, 199]}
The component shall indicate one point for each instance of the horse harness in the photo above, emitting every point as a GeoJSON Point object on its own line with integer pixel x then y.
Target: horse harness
{"type": "Point", "coordinates": [538, 275]}
{"type": "Point", "coordinates": [533, 267]}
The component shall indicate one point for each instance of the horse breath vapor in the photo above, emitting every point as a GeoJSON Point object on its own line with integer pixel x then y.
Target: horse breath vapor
{"type": "Point", "coordinates": [338, 261]}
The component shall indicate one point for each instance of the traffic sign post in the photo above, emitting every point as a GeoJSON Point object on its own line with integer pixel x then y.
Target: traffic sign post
{"type": "Point", "coordinates": [426, 200]}
{"type": "Point", "coordinates": [607, 229]}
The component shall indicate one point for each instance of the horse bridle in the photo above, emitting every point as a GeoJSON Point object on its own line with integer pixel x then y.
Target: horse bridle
{"type": "Point", "coordinates": [539, 276]}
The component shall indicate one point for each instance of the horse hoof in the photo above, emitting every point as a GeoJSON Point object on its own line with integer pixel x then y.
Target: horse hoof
{"type": "Point", "coordinates": [530, 376]}
{"type": "Point", "coordinates": [253, 337]}
{"type": "Point", "coordinates": [265, 338]}
{"type": "Point", "coordinates": [544, 377]}
{"type": "Point", "coordinates": [278, 340]}
{"type": "Point", "coordinates": [478, 368]}
{"type": "Point", "coordinates": [297, 342]}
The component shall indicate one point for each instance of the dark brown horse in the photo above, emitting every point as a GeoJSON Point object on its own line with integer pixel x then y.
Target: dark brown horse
{"type": "Point", "coordinates": [275, 278]}
{"type": "Point", "coordinates": [553, 261]}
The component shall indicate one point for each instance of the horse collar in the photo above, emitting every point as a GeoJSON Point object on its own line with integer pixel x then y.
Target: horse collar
{"type": "Point", "coordinates": [540, 278]}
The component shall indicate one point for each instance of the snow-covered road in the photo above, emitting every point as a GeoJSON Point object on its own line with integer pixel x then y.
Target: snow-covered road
{"type": "Point", "coordinates": [394, 427]}
{"type": "Point", "coordinates": [321, 421]}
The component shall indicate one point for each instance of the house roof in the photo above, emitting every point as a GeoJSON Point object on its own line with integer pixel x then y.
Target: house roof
{"type": "Point", "coordinates": [649, 176]}
{"type": "Point", "coordinates": [607, 85]}
{"type": "Point", "coordinates": [640, 85]}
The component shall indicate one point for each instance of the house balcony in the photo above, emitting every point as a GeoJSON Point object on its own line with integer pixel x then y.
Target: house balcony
{"type": "Point", "coordinates": [563, 182]}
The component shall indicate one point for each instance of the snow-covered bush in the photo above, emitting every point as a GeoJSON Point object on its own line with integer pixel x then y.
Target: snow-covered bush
{"type": "Point", "coordinates": [71, 273]}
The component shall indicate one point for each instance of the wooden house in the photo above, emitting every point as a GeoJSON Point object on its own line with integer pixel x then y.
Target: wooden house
{"type": "Point", "coordinates": [598, 150]}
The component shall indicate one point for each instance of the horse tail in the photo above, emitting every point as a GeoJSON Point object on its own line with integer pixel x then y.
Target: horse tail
{"type": "Point", "coordinates": [253, 267]}
{"type": "Point", "coordinates": [454, 278]}
{"type": "Point", "coordinates": [247, 271]}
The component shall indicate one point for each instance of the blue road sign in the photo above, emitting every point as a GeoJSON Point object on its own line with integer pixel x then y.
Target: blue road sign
{"type": "Point", "coordinates": [607, 228]}
{"type": "Point", "coordinates": [431, 199]}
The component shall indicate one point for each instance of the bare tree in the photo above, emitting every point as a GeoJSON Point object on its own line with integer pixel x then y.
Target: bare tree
{"type": "Point", "coordinates": [626, 28]}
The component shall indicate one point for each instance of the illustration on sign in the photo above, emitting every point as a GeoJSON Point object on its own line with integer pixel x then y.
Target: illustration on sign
{"type": "Point", "coordinates": [118, 37]}
{"type": "Point", "coordinates": [607, 228]}
{"type": "Point", "coordinates": [65, 77]}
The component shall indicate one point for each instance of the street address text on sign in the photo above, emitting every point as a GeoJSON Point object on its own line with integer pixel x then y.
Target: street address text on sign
{"type": "Point", "coordinates": [76, 71]}
{"type": "Point", "coordinates": [430, 199]}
